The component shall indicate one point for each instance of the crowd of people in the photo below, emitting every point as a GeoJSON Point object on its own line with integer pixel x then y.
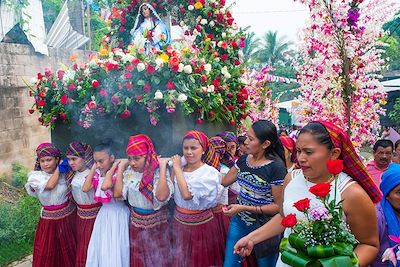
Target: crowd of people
{"type": "Point", "coordinates": [219, 203]}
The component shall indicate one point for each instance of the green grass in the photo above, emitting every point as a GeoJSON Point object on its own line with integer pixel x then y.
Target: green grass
{"type": "Point", "coordinates": [18, 221]}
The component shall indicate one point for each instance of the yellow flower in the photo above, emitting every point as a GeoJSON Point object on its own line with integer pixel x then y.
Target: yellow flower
{"type": "Point", "coordinates": [383, 102]}
{"type": "Point", "coordinates": [198, 5]}
{"type": "Point", "coordinates": [103, 52]}
{"type": "Point", "coordinates": [164, 57]}
{"type": "Point", "coordinates": [185, 50]}
{"type": "Point", "coordinates": [163, 37]}
{"type": "Point", "coordinates": [207, 40]}
{"type": "Point", "coordinates": [108, 22]}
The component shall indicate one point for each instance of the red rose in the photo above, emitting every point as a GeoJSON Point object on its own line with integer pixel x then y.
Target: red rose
{"type": "Point", "coordinates": [95, 84]}
{"type": "Point", "coordinates": [321, 189]}
{"type": "Point", "coordinates": [335, 166]}
{"type": "Point", "coordinates": [147, 88]}
{"type": "Point", "coordinates": [71, 87]}
{"type": "Point", "coordinates": [150, 69]}
{"type": "Point", "coordinates": [224, 57]}
{"type": "Point", "coordinates": [127, 75]}
{"type": "Point", "coordinates": [64, 99]}
{"type": "Point", "coordinates": [289, 221]}
{"type": "Point", "coordinates": [42, 94]}
{"type": "Point", "coordinates": [92, 104]}
{"type": "Point", "coordinates": [170, 85]}
{"type": "Point", "coordinates": [230, 107]}
{"type": "Point", "coordinates": [199, 121]}
{"type": "Point", "coordinates": [31, 111]}
{"type": "Point", "coordinates": [103, 92]}
{"type": "Point", "coordinates": [302, 205]}
{"type": "Point", "coordinates": [60, 74]}
{"type": "Point", "coordinates": [174, 61]}
{"type": "Point", "coordinates": [211, 114]}
{"type": "Point", "coordinates": [53, 84]}
{"type": "Point", "coordinates": [39, 76]}
{"type": "Point", "coordinates": [41, 103]}
{"type": "Point", "coordinates": [63, 116]}
{"type": "Point", "coordinates": [203, 78]}
{"type": "Point", "coordinates": [125, 114]}
{"type": "Point", "coordinates": [232, 122]}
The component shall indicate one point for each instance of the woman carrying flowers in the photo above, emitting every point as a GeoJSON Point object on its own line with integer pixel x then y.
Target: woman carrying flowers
{"type": "Point", "coordinates": [388, 214]}
{"type": "Point", "coordinates": [318, 143]}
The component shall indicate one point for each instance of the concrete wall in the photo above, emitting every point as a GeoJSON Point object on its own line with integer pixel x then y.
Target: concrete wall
{"type": "Point", "coordinates": [20, 132]}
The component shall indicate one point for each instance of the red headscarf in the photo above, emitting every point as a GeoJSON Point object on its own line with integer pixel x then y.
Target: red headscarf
{"type": "Point", "coordinates": [211, 158]}
{"type": "Point", "coordinates": [290, 145]}
{"type": "Point", "coordinates": [353, 165]}
{"type": "Point", "coordinates": [141, 145]}
{"type": "Point", "coordinates": [46, 150]}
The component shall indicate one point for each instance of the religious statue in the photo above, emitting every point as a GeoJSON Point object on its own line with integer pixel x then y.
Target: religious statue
{"type": "Point", "coordinates": [149, 30]}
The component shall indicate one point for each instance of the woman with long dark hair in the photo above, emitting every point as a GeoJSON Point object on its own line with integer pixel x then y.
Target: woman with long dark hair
{"type": "Point", "coordinates": [260, 174]}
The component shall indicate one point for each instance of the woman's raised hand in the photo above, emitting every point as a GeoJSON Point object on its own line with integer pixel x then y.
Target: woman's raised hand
{"type": "Point", "coordinates": [163, 161]}
{"type": "Point", "coordinates": [243, 247]}
{"type": "Point", "coordinates": [176, 161]}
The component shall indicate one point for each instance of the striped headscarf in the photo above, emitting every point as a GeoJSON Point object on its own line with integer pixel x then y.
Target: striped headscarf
{"type": "Point", "coordinates": [209, 150]}
{"type": "Point", "coordinates": [227, 158]}
{"type": "Point", "coordinates": [220, 148]}
{"type": "Point", "coordinates": [290, 145]}
{"type": "Point", "coordinates": [141, 145]}
{"type": "Point", "coordinates": [390, 179]}
{"type": "Point", "coordinates": [46, 150]}
{"type": "Point", "coordinates": [80, 150]}
{"type": "Point", "coordinates": [353, 165]}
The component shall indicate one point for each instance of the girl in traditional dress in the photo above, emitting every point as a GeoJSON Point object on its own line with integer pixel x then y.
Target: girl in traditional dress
{"type": "Point", "coordinates": [149, 30]}
{"type": "Point", "coordinates": [228, 159]}
{"type": "Point", "coordinates": [317, 143]}
{"type": "Point", "coordinates": [55, 243]}
{"type": "Point", "coordinates": [80, 159]}
{"type": "Point", "coordinates": [144, 181]}
{"type": "Point", "coordinates": [109, 243]}
{"type": "Point", "coordinates": [260, 174]}
{"type": "Point", "coordinates": [195, 228]}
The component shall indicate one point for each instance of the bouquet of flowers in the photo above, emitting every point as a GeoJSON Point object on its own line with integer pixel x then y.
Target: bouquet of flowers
{"type": "Point", "coordinates": [322, 238]}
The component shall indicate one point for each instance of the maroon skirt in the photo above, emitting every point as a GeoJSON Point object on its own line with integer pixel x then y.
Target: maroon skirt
{"type": "Point", "coordinates": [232, 197]}
{"type": "Point", "coordinates": [84, 226]}
{"type": "Point", "coordinates": [55, 238]}
{"type": "Point", "coordinates": [223, 226]}
{"type": "Point", "coordinates": [149, 239]}
{"type": "Point", "coordinates": [195, 239]}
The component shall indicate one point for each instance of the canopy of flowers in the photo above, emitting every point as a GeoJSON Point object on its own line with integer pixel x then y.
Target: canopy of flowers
{"type": "Point", "coordinates": [342, 63]}
{"type": "Point", "coordinates": [200, 74]}
{"type": "Point", "coordinates": [261, 105]}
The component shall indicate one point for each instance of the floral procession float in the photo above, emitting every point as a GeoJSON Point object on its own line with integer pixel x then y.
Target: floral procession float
{"type": "Point", "coordinates": [343, 60]}
{"type": "Point", "coordinates": [137, 81]}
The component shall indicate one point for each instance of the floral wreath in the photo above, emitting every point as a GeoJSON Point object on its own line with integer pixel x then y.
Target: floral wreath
{"type": "Point", "coordinates": [200, 74]}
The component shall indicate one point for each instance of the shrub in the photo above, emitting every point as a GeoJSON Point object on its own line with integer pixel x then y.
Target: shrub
{"type": "Point", "coordinates": [19, 175]}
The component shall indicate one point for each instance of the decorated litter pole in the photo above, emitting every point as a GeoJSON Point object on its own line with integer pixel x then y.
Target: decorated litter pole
{"type": "Point", "coordinates": [141, 82]}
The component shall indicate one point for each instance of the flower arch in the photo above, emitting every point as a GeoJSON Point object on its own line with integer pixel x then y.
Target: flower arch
{"type": "Point", "coordinates": [199, 75]}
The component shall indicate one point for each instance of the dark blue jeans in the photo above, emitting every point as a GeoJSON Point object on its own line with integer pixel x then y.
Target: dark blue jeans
{"type": "Point", "coordinates": [237, 230]}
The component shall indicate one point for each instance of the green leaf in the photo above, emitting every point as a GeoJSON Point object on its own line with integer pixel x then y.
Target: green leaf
{"type": "Point", "coordinates": [128, 101]}
{"type": "Point", "coordinates": [140, 82]}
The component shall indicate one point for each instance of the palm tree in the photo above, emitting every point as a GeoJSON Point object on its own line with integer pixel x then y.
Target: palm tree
{"type": "Point", "coordinates": [251, 46]}
{"type": "Point", "coordinates": [273, 49]}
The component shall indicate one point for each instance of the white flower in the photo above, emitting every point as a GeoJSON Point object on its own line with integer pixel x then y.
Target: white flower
{"type": "Point", "coordinates": [211, 23]}
{"type": "Point", "coordinates": [222, 10]}
{"type": "Point", "coordinates": [78, 88]}
{"type": "Point", "coordinates": [207, 67]}
{"type": "Point", "coordinates": [158, 95]}
{"type": "Point", "coordinates": [69, 75]}
{"type": "Point", "coordinates": [190, 7]}
{"type": "Point", "coordinates": [227, 75]}
{"type": "Point", "coordinates": [204, 89]}
{"type": "Point", "coordinates": [212, 1]}
{"type": "Point", "coordinates": [160, 62]}
{"type": "Point", "coordinates": [127, 58]}
{"type": "Point", "coordinates": [243, 81]}
{"type": "Point", "coordinates": [140, 67]}
{"type": "Point", "coordinates": [180, 67]}
{"type": "Point", "coordinates": [210, 88]}
{"type": "Point", "coordinates": [220, 43]}
{"type": "Point", "coordinates": [240, 54]}
{"type": "Point", "coordinates": [182, 98]}
{"type": "Point", "coordinates": [195, 32]}
{"type": "Point", "coordinates": [187, 69]}
{"type": "Point", "coordinates": [217, 59]}
{"type": "Point", "coordinates": [182, 23]}
{"type": "Point", "coordinates": [203, 22]}
{"type": "Point", "coordinates": [224, 70]}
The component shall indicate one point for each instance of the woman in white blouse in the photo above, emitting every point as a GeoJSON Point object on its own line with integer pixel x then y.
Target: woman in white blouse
{"type": "Point", "coordinates": [80, 159]}
{"type": "Point", "coordinates": [55, 241]}
{"type": "Point", "coordinates": [195, 229]}
{"type": "Point", "coordinates": [144, 181]}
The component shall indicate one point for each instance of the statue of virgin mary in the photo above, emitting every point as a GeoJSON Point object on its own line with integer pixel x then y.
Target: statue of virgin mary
{"type": "Point", "coordinates": [149, 30]}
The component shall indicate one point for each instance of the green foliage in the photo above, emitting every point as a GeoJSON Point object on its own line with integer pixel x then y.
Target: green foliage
{"type": "Point", "coordinates": [394, 115]}
{"type": "Point", "coordinates": [98, 30]}
{"type": "Point", "coordinates": [51, 8]}
{"type": "Point", "coordinates": [273, 50]}
{"type": "Point", "coordinates": [17, 228]}
{"type": "Point", "coordinates": [19, 175]}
